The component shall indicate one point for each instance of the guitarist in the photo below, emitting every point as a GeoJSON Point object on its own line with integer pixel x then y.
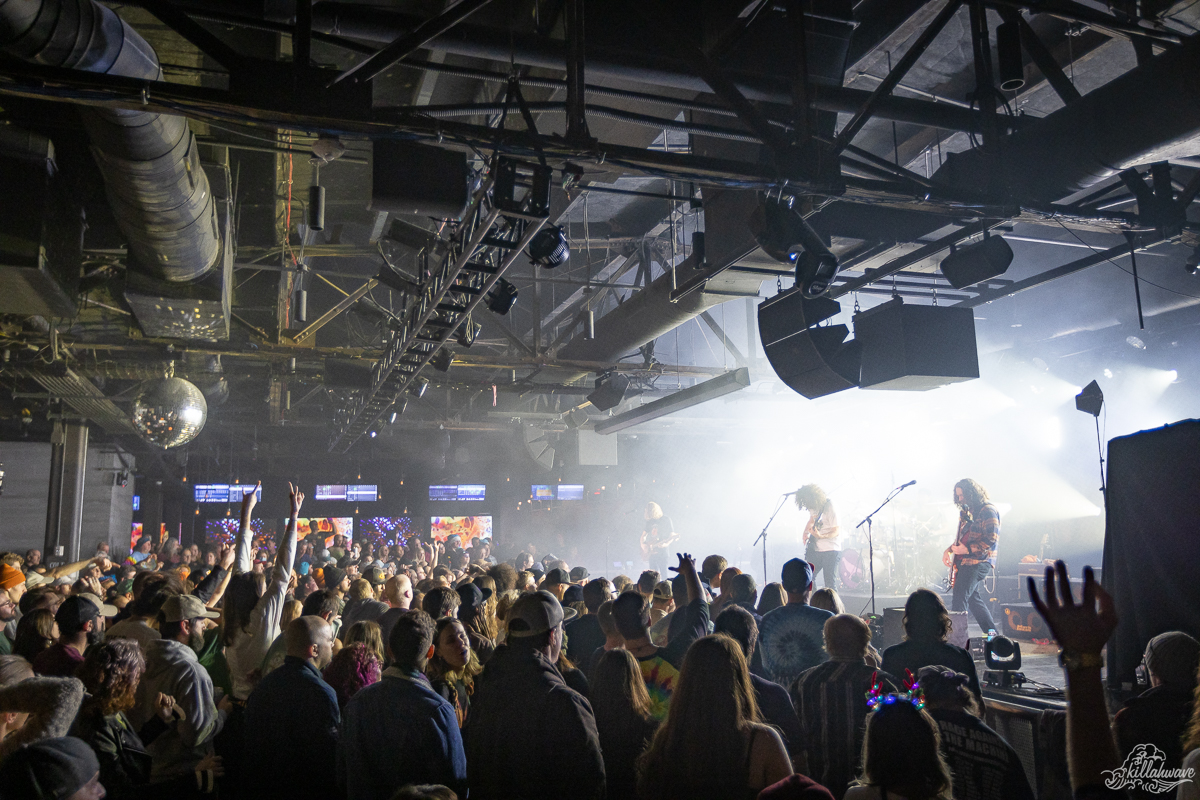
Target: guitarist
{"type": "Point", "coordinates": [822, 535]}
{"type": "Point", "coordinates": [973, 553]}
{"type": "Point", "coordinates": [657, 536]}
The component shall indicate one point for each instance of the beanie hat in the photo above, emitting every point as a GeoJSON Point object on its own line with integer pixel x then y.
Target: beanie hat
{"type": "Point", "coordinates": [53, 769]}
{"type": "Point", "coordinates": [10, 577]}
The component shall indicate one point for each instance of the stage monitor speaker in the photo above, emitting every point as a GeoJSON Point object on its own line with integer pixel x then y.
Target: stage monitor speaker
{"type": "Point", "coordinates": [419, 180]}
{"type": "Point", "coordinates": [1023, 622]}
{"type": "Point", "coordinates": [916, 348]}
{"type": "Point", "coordinates": [813, 361]}
{"type": "Point", "coordinates": [891, 630]}
{"type": "Point", "coordinates": [958, 629]}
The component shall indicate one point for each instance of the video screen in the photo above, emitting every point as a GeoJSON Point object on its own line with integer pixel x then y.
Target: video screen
{"type": "Point", "coordinates": [570, 491]}
{"type": "Point", "coordinates": [326, 527]}
{"type": "Point", "coordinates": [466, 528]}
{"type": "Point", "coordinates": [462, 491]}
{"type": "Point", "coordinates": [223, 492]}
{"type": "Point", "coordinates": [383, 531]}
{"type": "Point", "coordinates": [223, 532]}
{"type": "Point", "coordinates": [541, 491]}
{"type": "Point", "coordinates": [137, 502]}
{"type": "Point", "coordinates": [357, 493]}
{"type": "Point", "coordinates": [137, 532]}
{"type": "Point", "coordinates": [443, 492]}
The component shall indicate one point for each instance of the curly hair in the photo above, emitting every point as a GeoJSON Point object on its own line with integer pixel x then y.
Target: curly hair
{"type": "Point", "coordinates": [353, 668]}
{"type": "Point", "coordinates": [975, 495]}
{"type": "Point", "coordinates": [811, 497]}
{"type": "Point", "coordinates": [110, 672]}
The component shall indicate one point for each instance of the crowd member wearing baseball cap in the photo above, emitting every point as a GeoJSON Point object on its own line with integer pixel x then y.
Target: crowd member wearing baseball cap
{"type": "Point", "coordinates": [660, 665]}
{"type": "Point", "coordinates": [472, 600]}
{"type": "Point", "coordinates": [579, 575]}
{"type": "Point", "coordinates": [80, 621]}
{"type": "Point", "coordinates": [556, 582]}
{"type": "Point", "coordinates": [52, 769]}
{"type": "Point", "coordinates": [172, 669]}
{"type": "Point", "coordinates": [293, 715]}
{"type": "Point", "coordinates": [399, 731]}
{"type": "Point", "coordinates": [529, 735]}
{"type": "Point", "coordinates": [791, 637]}
{"type": "Point", "coordinates": [584, 635]}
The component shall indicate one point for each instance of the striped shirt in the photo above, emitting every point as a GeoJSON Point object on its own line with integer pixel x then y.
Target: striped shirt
{"type": "Point", "coordinates": [981, 536]}
{"type": "Point", "coordinates": [831, 701]}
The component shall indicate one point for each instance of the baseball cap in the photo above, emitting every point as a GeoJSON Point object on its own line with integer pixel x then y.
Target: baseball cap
{"type": "Point", "coordinates": [573, 594]}
{"type": "Point", "coordinates": [76, 610]}
{"type": "Point", "coordinates": [105, 609]}
{"type": "Point", "coordinates": [579, 574]}
{"type": "Point", "coordinates": [35, 579]}
{"type": "Point", "coordinates": [185, 606]}
{"type": "Point", "coordinates": [125, 586]}
{"type": "Point", "coordinates": [375, 576]}
{"type": "Point", "coordinates": [536, 612]}
{"type": "Point", "coordinates": [797, 575]}
{"type": "Point", "coordinates": [51, 768]}
{"type": "Point", "coordinates": [557, 575]}
{"type": "Point", "coordinates": [662, 590]}
{"type": "Point", "coordinates": [10, 577]}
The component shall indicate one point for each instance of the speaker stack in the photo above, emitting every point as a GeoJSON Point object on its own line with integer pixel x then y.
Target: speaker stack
{"type": "Point", "coordinates": [813, 361]}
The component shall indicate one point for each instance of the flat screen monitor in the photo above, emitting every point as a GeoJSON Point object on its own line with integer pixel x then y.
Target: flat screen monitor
{"type": "Point", "coordinates": [330, 492]}
{"type": "Point", "coordinates": [466, 528]}
{"type": "Point", "coordinates": [223, 492]}
{"type": "Point", "coordinates": [325, 527]}
{"type": "Point", "coordinates": [471, 491]}
{"type": "Point", "coordinates": [384, 531]}
{"type": "Point", "coordinates": [223, 532]}
{"type": "Point", "coordinates": [541, 491]}
{"type": "Point", "coordinates": [362, 493]}
{"type": "Point", "coordinates": [443, 492]}
{"type": "Point", "coordinates": [570, 491]}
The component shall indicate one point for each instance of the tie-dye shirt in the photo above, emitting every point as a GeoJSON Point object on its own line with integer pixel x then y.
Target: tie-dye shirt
{"type": "Point", "coordinates": [661, 670]}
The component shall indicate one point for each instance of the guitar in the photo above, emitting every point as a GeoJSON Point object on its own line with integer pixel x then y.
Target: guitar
{"type": "Point", "coordinates": [652, 547]}
{"type": "Point", "coordinates": [949, 558]}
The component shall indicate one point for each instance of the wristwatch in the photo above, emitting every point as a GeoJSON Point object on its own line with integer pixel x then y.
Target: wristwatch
{"type": "Point", "coordinates": [1076, 661]}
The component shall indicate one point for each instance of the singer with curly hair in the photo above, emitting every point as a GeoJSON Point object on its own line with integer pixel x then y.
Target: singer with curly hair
{"type": "Point", "coordinates": [822, 534]}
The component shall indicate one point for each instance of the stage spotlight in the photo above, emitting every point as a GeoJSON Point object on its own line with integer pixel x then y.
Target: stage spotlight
{"type": "Point", "coordinates": [467, 332]}
{"type": "Point", "coordinates": [786, 236]}
{"type": "Point", "coordinates": [1090, 400]}
{"type": "Point", "coordinates": [549, 248]}
{"type": "Point", "coordinates": [1135, 343]}
{"type": "Point", "coordinates": [419, 387]}
{"type": "Point", "coordinates": [398, 407]}
{"type": "Point", "coordinates": [610, 391]}
{"type": "Point", "coordinates": [1002, 656]}
{"type": "Point", "coordinates": [502, 297]}
{"type": "Point", "coordinates": [441, 360]}
{"type": "Point", "coordinates": [975, 263]}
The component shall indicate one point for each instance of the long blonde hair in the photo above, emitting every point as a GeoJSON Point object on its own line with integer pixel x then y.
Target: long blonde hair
{"type": "Point", "coordinates": [653, 511]}
{"type": "Point", "coordinates": [698, 751]}
{"type": "Point", "coordinates": [485, 623]}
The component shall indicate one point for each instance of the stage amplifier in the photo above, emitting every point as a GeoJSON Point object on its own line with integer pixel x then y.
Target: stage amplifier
{"type": "Point", "coordinates": [1022, 622]}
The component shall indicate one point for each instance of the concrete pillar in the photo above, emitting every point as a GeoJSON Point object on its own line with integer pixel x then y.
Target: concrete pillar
{"type": "Point", "coordinates": [64, 506]}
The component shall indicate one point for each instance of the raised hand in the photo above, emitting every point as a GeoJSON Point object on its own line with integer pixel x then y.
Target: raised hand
{"type": "Point", "coordinates": [227, 557]}
{"type": "Point", "coordinates": [686, 564]}
{"type": "Point", "coordinates": [1082, 628]}
{"type": "Point", "coordinates": [251, 499]}
{"type": "Point", "coordinates": [297, 498]}
{"type": "Point", "coordinates": [164, 706]}
{"type": "Point", "coordinates": [211, 763]}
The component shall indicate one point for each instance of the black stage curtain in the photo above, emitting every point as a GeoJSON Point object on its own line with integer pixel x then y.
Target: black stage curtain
{"type": "Point", "coordinates": [1152, 540]}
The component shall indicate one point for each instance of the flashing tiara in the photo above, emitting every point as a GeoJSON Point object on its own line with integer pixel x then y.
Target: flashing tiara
{"type": "Point", "coordinates": [913, 693]}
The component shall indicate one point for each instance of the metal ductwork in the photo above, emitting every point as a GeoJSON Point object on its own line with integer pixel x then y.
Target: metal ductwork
{"type": "Point", "coordinates": [1091, 139]}
{"type": "Point", "coordinates": [159, 193]}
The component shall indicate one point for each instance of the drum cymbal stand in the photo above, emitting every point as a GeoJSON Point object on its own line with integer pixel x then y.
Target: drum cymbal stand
{"type": "Point", "coordinates": [870, 539]}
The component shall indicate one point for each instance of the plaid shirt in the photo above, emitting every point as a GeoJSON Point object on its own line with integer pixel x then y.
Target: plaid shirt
{"type": "Point", "coordinates": [981, 536]}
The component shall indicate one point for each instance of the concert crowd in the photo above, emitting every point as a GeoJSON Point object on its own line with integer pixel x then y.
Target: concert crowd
{"type": "Point", "coordinates": [316, 669]}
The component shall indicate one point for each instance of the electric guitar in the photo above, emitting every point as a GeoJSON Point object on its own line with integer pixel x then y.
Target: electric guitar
{"type": "Point", "coordinates": [949, 558]}
{"type": "Point", "coordinates": [651, 547]}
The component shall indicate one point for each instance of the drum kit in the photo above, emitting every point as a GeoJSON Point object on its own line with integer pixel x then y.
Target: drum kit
{"type": "Point", "coordinates": [907, 556]}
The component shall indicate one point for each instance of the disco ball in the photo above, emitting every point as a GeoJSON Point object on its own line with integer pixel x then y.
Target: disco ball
{"type": "Point", "coordinates": [169, 412]}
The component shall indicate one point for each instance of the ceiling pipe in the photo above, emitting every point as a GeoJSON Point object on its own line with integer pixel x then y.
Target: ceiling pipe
{"type": "Point", "coordinates": [158, 191]}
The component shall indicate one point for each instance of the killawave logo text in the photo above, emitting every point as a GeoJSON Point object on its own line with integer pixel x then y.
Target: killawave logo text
{"type": "Point", "coordinates": [1144, 769]}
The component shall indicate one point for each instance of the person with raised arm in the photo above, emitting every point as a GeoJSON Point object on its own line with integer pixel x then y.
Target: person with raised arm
{"type": "Point", "coordinates": [1082, 630]}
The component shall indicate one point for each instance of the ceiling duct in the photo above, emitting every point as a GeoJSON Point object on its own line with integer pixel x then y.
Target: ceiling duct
{"type": "Point", "coordinates": [1091, 138]}
{"type": "Point", "coordinates": [159, 193]}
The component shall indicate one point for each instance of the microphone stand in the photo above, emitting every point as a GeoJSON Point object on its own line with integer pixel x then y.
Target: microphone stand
{"type": "Point", "coordinates": [763, 536]}
{"type": "Point", "coordinates": [871, 541]}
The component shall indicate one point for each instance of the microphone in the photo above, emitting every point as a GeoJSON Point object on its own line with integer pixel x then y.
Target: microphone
{"type": "Point", "coordinates": [910, 483]}
{"type": "Point", "coordinates": [789, 494]}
